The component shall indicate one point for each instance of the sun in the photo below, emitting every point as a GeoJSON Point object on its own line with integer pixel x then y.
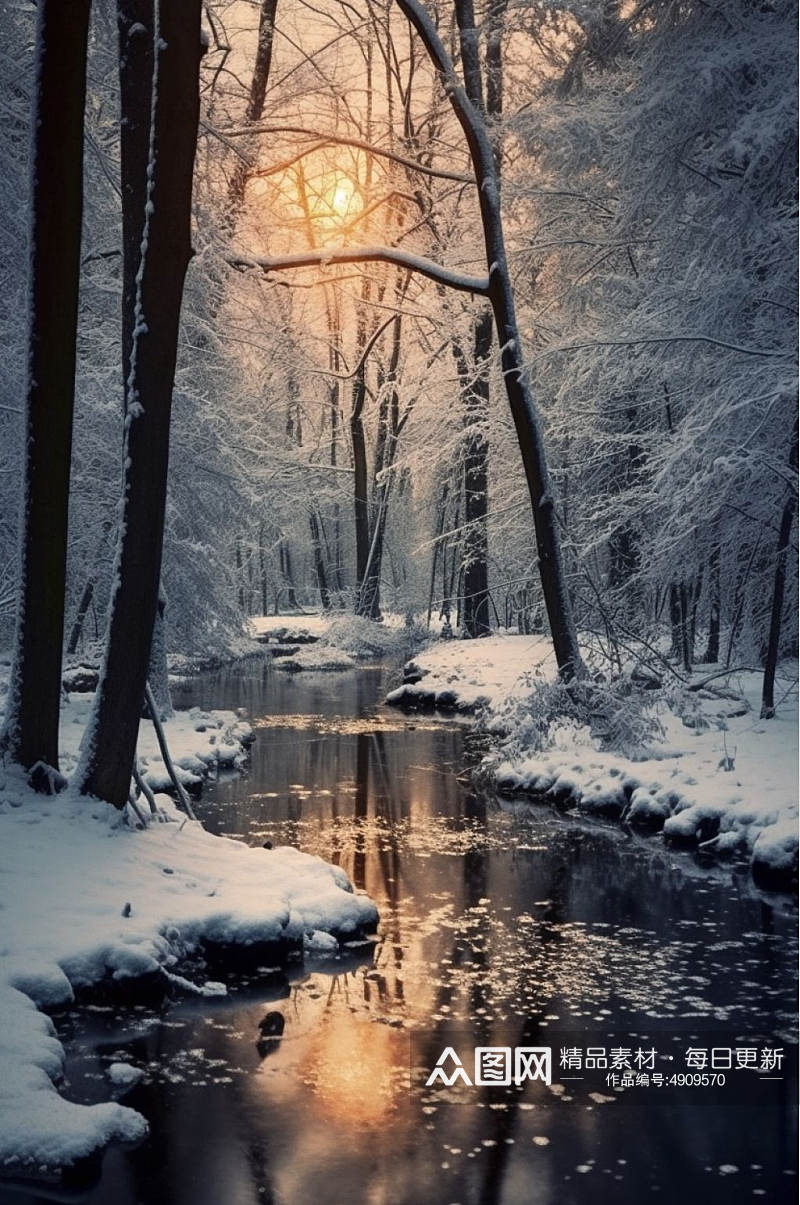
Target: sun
{"type": "Point", "coordinates": [335, 200]}
{"type": "Point", "coordinates": [342, 198]}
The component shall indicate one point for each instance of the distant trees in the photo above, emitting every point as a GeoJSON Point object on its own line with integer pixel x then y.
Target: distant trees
{"type": "Point", "coordinates": [497, 287]}
{"type": "Point", "coordinates": [30, 730]}
{"type": "Point", "coordinates": [343, 444]}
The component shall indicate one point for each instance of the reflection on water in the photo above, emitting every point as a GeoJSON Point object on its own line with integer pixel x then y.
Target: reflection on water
{"type": "Point", "coordinates": [496, 921]}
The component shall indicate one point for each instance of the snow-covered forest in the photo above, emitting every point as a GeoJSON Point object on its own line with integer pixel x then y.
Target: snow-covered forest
{"type": "Point", "coordinates": [368, 330]}
{"type": "Point", "coordinates": [341, 435]}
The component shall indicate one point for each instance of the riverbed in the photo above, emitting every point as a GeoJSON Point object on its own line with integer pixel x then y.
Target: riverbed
{"type": "Point", "coordinates": [501, 925]}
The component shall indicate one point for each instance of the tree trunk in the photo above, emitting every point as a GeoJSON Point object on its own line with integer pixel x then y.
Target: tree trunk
{"type": "Point", "coordinates": [776, 616]}
{"type": "Point", "coordinates": [685, 629]}
{"type": "Point", "coordinates": [87, 596]}
{"type": "Point", "coordinates": [255, 101]}
{"type": "Point", "coordinates": [30, 731]}
{"type": "Point", "coordinates": [319, 561]}
{"type": "Point", "coordinates": [520, 399]}
{"type": "Point", "coordinates": [676, 640]}
{"type": "Point", "coordinates": [262, 569]}
{"type": "Point", "coordinates": [475, 610]}
{"type": "Point", "coordinates": [712, 648]}
{"type": "Point", "coordinates": [160, 49]}
{"type": "Point", "coordinates": [288, 573]}
{"type": "Point", "coordinates": [239, 576]}
{"type": "Point", "coordinates": [475, 614]}
{"type": "Point", "coordinates": [360, 488]}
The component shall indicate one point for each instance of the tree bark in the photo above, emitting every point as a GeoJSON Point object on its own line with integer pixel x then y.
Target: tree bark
{"type": "Point", "coordinates": [160, 50]}
{"type": "Point", "coordinates": [779, 586]}
{"type": "Point", "coordinates": [30, 731]}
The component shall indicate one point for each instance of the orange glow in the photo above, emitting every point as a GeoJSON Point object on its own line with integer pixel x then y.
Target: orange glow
{"type": "Point", "coordinates": [332, 201]}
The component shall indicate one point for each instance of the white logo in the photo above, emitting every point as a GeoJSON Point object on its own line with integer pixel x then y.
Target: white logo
{"type": "Point", "coordinates": [439, 1071]}
{"type": "Point", "coordinates": [497, 1066]}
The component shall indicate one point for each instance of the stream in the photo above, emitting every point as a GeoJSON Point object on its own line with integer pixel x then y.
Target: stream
{"type": "Point", "coordinates": [501, 924]}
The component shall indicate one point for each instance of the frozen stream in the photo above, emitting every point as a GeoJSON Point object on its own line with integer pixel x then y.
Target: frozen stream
{"type": "Point", "coordinates": [499, 926]}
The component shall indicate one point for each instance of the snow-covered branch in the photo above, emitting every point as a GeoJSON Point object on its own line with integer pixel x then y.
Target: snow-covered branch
{"type": "Point", "coordinates": [328, 257]}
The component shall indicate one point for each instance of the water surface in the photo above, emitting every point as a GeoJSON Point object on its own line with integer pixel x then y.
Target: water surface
{"type": "Point", "coordinates": [500, 925]}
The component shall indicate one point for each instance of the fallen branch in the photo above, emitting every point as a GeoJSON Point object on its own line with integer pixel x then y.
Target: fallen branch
{"type": "Point", "coordinates": [165, 753]}
{"type": "Point", "coordinates": [144, 789]}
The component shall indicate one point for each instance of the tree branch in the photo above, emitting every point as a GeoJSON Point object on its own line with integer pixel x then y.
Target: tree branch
{"type": "Point", "coordinates": [323, 138]}
{"type": "Point", "coordinates": [328, 257]}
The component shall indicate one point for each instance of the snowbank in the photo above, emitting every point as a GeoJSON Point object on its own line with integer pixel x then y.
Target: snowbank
{"type": "Point", "coordinates": [348, 640]}
{"type": "Point", "coordinates": [718, 777]}
{"type": "Point", "coordinates": [468, 675]}
{"type": "Point", "coordinates": [87, 902]}
{"type": "Point", "coordinates": [200, 742]}
{"type": "Point", "coordinates": [288, 629]}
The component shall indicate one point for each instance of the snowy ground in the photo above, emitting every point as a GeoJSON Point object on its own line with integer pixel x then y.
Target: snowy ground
{"type": "Point", "coordinates": [466, 675]}
{"type": "Point", "coordinates": [200, 742]}
{"type": "Point", "coordinates": [87, 901]}
{"type": "Point", "coordinates": [289, 629]}
{"type": "Point", "coordinates": [718, 776]}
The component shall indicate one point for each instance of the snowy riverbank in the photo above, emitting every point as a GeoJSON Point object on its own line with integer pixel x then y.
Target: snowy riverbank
{"type": "Point", "coordinates": [88, 903]}
{"type": "Point", "coordinates": [716, 776]}
{"type": "Point", "coordinates": [91, 905]}
{"type": "Point", "coordinates": [335, 641]}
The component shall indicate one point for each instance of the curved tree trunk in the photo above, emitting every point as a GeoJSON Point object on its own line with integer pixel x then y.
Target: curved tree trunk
{"type": "Point", "coordinates": [30, 732]}
{"type": "Point", "coordinates": [520, 399]}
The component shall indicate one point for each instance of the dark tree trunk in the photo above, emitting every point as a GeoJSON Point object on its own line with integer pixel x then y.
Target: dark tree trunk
{"type": "Point", "coordinates": [255, 101]}
{"type": "Point", "coordinates": [80, 616]}
{"type": "Point", "coordinates": [288, 573]}
{"type": "Point", "coordinates": [239, 575]}
{"type": "Point", "coordinates": [712, 648]}
{"type": "Point", "coordinates": [475, 605]}
{"type": "Point", "coordinates": [475, 611]}
{"type": "Point", "coordinates": [87, 596]}
{"type": "Point", "coordinates": [685, 628]}
{"type": "Point", "coordinates": [779, 586]}
{"type": "Point", "coordinates": [30, 731]}
{"type": "Point", "coordinates": [440, 517]}
{"type": "Point", "coordinates": [360, 486]}
{"type": "Point", "coordinates": [159, 77]}
{"type": "Point", "coordinates": [675, 621]}
{"type": "Point", "coordinates": [262, 569]}
{"type": "Point", "coordinates": [319, 562]}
